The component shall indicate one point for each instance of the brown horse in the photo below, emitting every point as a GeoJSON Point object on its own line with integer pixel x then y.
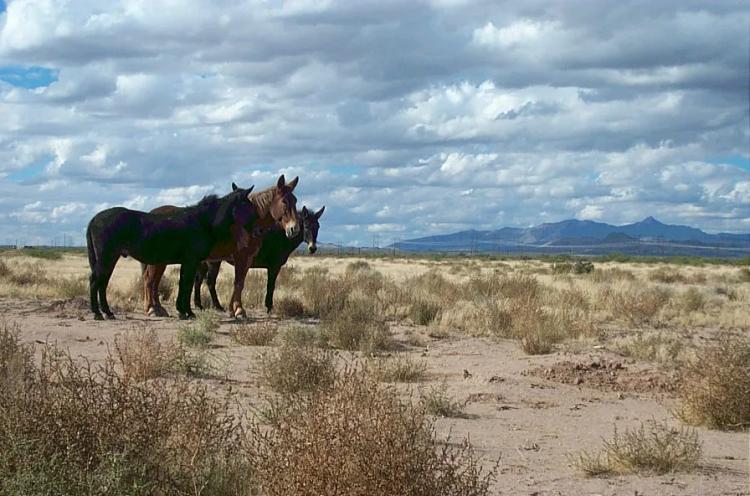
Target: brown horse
{"type": "Point", "coordinates": [276, 206]}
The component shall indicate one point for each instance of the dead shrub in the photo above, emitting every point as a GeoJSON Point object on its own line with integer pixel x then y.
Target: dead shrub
{"type": "Point", "coordinates": [423, 312]}
{"type": "Point", "coordinates": [434, 284]}
{"type": "Point", "coordinates": [714, 388]}
{"type": "Point", "coordinates": [322, 294]}
{"type": "Point", "coordinates": [299, 335]}
{"type": "Point", "coordinates": [478, 318]}
{"type": "Point", "coordinates": [29, 275]}
{"type": "Point", "coordinates": [261, 334]}
{"type": "Point", "coordinates": [520, 286]}
{"type": "Point", "coordinates": [289, 306]}
{"type": "Point", "coordinates": [71, 287]}
{"type": "Point", "coordinates": [659, 347]}
{"type": "Point", "coordinates": [142, 356]}
{"type": "Point", "coordinates": [357, 439]}
{"type": "Point", "coordinates": [639, 306]}
{"type": "Point", "coordinates": [692, 300]}
{"type": "Point", "coordinates": [356, 326]}
{"type": "Point", "coordinates": [653, 449]}
{"type": "Point", "coordinates": [668, 275]}
{"type": "Point", "coordinates": [438, 402]}
{"type": "Point", "coordinates": [78, 429]}
{"type": "Point", "coordinates": [291, 369]}
{"type": "Point", "coordinates": [399, 368]}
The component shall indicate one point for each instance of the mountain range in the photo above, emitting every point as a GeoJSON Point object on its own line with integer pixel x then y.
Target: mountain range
{"type": "Point", "coordinates": [647, 237]}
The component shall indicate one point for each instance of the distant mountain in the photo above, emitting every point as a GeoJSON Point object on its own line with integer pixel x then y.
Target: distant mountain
{"type": "Point", "coordinates": [648, 237]}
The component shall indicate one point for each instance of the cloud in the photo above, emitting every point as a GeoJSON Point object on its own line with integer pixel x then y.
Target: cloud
{"type": "Point", "coordinates": [401, 117]}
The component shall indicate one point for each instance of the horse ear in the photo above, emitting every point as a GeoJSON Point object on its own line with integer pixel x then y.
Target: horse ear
{"type": "Point", "coordinates": [320, 212]}
{"type": "Point", "coordinates": [292, 184]}
{"type": "Point", "coordinates": [234, 187]}
{"type": "Point", "coordinates": [280, 182]}
{"type": "Point", "coordinates": [249, 191]}
{"type": "Point", "coordinates": [304, 210]}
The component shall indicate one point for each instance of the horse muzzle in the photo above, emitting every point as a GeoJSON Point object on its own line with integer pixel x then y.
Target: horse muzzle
{"type": "Point", "coordinates": [292, 231]}
{"type": "Point", "coordinates": [312, 249]}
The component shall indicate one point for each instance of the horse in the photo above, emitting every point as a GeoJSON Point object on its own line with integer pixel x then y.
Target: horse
{"type": "Point", "coordinates": [274, 253]}
{"type": "Point", "coordinates": [186, 237]}
{"type": "Point", "coordinates": [275, 205]}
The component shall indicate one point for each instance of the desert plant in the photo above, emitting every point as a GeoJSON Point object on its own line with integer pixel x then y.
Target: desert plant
{"type": "Point", "coordinates": [438, 402]}
{"type": "Point", "coordinates": [142, 356]}
{"type": "Point", "coordinates": [400, 367]}
{"type": "Point", "coordinates": [652, 347]}
{"type": "Point", "coordinates": [714, 388]}
{"type": "Point", "coordinates": [692, 300]}
{"type": "Point", "coordinates": [357, 439]}
{"type": "Point", "coordinates": [668, 275]}
{"type": "Point", "coordinates": [290, 369]}
{"type": "Point", "coordinates": [356, 326]}
{"type": "Point", "coordinates": [289, 306]}
{"type": "Point", "coordinates": [71, 287]}
{"type": "Point", "coordinates": [299, 335]}
{"type": "Point", "coordinates": [423, 312]}
{"type": "Point", "coordinates": [200, 332]}
{"type": "Point", "coordinates": [583, 267]}
{"type": "Point", "coordinates": [5, 270]}
{"type": "Point", "coordinates": [653, 449]}
{"type": "Point", "coordinates": [639, 306]}
{"type": "Point", "coordinates": [261, 334]}
{"type": "Point", "coordinates": [78, 429]}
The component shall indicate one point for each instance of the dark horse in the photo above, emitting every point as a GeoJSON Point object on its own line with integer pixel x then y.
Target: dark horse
{"type": "Point", "coordinates": [185, 237]}
{"type": "Point", "coordinates": [273, 254]}
{"type": "Point", "coordinates": [277, 209]}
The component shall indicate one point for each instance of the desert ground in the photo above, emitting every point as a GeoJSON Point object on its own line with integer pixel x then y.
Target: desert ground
{"type": "Point", "coordinates": [536, 363]}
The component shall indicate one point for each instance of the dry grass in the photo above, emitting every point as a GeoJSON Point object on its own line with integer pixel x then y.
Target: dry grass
{"type": "Point", "coordinates": [653, 449]}
{"type": "Point", "coordinates": [639, 305]}
{"type": "Point", "coordinates": [64, 430]}
{"type": "Point", "coordinates": [659, 347]}
{"type": "Point", "coordinates": [261, 334]}
{"type": "Point", "coordinates": [438, 402]}
{"type": "Point", "coordinates": [357, 439]}
{"type": "Point", "coordinates": [142, 356]}
{"type": "Point", "coordinates": [200, 332]}
{"type": "Point", "coordinates": [291, 369]}
{"type": "Point", "coordinates": [400, 367]}
{"type": "Point", "coordinates": [714, 388]}
{"type": "Point", "coordinates": [356, 326]}
{"type": "Point", "coordinates": [289, 307]}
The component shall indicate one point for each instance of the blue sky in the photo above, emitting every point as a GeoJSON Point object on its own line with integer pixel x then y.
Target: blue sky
{"type": "Point", "coordinates": [403, 118]}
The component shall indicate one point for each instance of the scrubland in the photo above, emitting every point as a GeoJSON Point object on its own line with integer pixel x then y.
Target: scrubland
{"type": "Point", "coordinates": [381, 376]}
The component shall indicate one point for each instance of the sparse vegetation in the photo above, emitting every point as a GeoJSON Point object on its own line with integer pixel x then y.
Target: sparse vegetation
{"type": "Point", "coordinates": [399, 368]}
{"type": "Point", "coordinates": [289, 306]}
{"type": "Point", "coordinates": [200, 332]}
{"type": "Point", "coordinates": [357, 438]}
{"type": "Point", "coordinates": [714, 388]}
{"type": "Point", "coordinates": [655, 448]}
{"type": "Point", "coordinates": [356, 326]}
{"type": "Point", "coordinates": [261, 334]}
{"type": "Point", "coordinates": [291, 369]}
{"type": "Point", "coordinates": [438, 402]}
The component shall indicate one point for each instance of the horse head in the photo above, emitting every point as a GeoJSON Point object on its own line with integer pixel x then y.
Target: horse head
{"type": "Point", "coordinates": [310, 226]}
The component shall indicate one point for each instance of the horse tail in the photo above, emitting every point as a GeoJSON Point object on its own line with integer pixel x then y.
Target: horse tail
{"type": "Point", "coordinates": [91, 247]}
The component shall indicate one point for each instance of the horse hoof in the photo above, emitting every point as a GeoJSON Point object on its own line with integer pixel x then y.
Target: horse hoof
{"type": "Point", "coordinates": [186, 316]}
{"type": "Point", "coordinates": [240, 314]}
{"type": "Point", "coordinates": [111, 316]}
{"type": "Point", "coordinates": [98, 316]}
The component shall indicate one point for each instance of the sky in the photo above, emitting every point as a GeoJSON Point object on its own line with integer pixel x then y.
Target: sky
{"type": "Point", "coordinates": [404, 118]}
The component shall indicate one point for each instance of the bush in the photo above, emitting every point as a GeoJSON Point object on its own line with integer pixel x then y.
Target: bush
{"type": "Point", "coordinates": [142, 356]}
{"type": "Point", "coordinates": [290, 369]}
{"type": "Point", "coordinates": [356, 327]}
{"type": "Point", "coordinates": [639, 306]}
{"type": "Point", "coordinates": [424, 312]}
{"type": "Point", "coordinates": [658, 449]}
{"type": "Point", "coordinates": [77, 429]}
{"type": "Point", "coordinates": [5, 271]}
{"type": "Point", "coordinates": [437, 402]}
{"type": "Point", "coordinates": [358, 439]}
{"type": "Point", "coordinates": [583, 267]}
{"type": "Point", "coordinates": [667, 275]}
{"type": "Point", "coordinates": [714, 389]}
{"type": "Point", "coordinates": [692, 300]}
{"type": "Point", "coordinates": [299, 335]}
{"type": "Point", "coordinates": [254, 334]}
{"type": "Point", "coordinates": [289, 306]}
{"type": "Point", "coordinates": [72, 287]}
{"type": "Point", "coordinates": [399, 368]}
{"type": "Point", "coordinates": [200, 332]}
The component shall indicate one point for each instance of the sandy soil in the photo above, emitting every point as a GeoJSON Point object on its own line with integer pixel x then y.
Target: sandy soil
{"type": "Point", "coordinates": [530, 411]}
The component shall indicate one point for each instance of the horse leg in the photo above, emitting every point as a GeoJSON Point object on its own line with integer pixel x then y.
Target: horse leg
{"type": "Point", "coordinates": [93, 295]}
{"type": "Point", "coordinates": [241, 266]}
{"type": "Point", "coordinates": [187, 277]}
{"type": "Point", "coordinates": [104, 273]}
{"type": "Point", "coordinates": [200, 274]}
{"type": "Point", "coordinates": [273, 273]}
{"type": "Point", "coordinates": [213, 274]}
{"type": "Point", "coordinates": [156, 309]}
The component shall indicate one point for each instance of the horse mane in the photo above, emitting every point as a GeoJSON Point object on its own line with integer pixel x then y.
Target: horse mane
{"type": "Point", "coordinates": [262, 200]}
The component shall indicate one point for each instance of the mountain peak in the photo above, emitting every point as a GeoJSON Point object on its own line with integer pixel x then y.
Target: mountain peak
{"type": "Point", "coordinates": [651, 220]}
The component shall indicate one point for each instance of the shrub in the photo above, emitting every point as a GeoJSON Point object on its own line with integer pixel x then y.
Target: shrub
{"type": "Point", "coordinates": [5, 271]}
{"type": "Point", "coordinates": [254, 334]}
{"type": "Point", "coordinates": [201, 331]}
{"type": "Point", "coordinates": [78, 429]}
{"type": "Point", "coordinates": [290, 369]}
{"type": "Point", "coordinates": [399, 368]}
{"type": "Point", "coordinates": [423, 312]}
{"type": "Point", "coordinates": [610, 275]}
{"type": "Point", "coordinates": [562, 267]}
{"type": "Point", "coordinates": [437, 402]}
{"type": "Point", "coordinates": [358, 266]}
{"type": "Point", "coordinates": [638, 306]}
{"type": "Point", "coordinates": [658, 449]}
{"type": "Point", "coordinates": [667, 275]}
{"type": "Point", "coordinates": [714, 389]}
{"type": "Point", "coordinates": [692, 300]}
{"type": "Point", "coordinates": [661, 348]}
{"type": "Point", "coordinates": [289, 306]}
{"type": "Point", "coordinates": [356, 327]}
{"type": "Point", "coordinates": [142, 356]}
{"type": "Point", "coordinates": [583, 267]}
{"type": "Point", "coordinates": [72, 287]}
{"type": "Point", "coordinates": [358, 439]}
{"type": "Point", "coordinates": [743, 274]}
{"type": "Point", "coordinates": [299, 335]}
